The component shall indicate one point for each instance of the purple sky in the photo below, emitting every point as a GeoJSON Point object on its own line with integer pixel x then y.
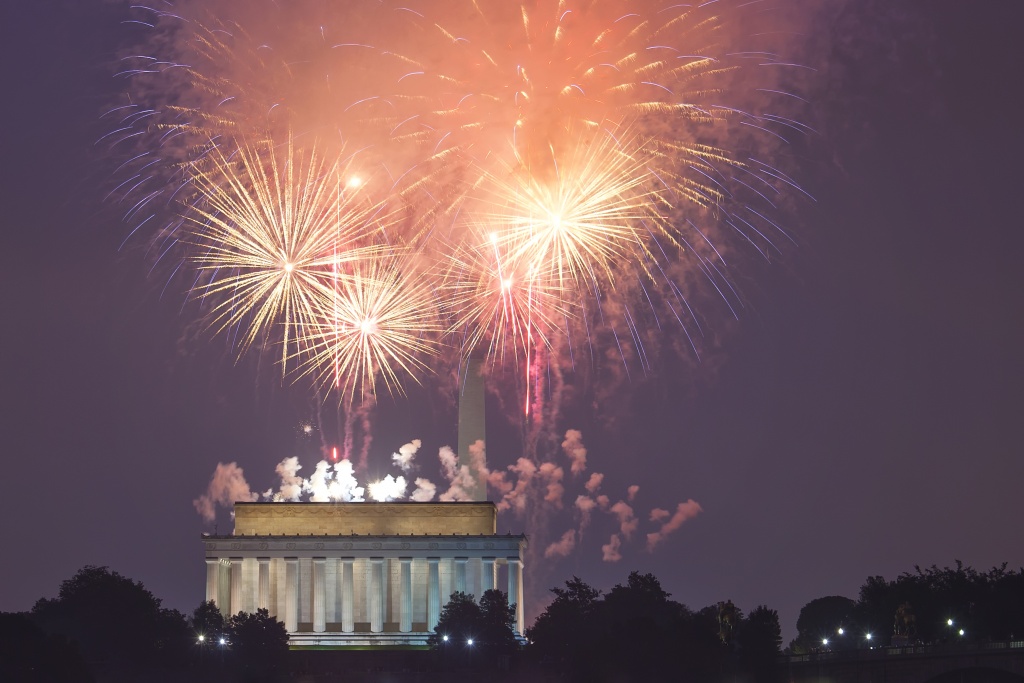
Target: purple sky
{"type": "Point", "coordinates": [860, 419]}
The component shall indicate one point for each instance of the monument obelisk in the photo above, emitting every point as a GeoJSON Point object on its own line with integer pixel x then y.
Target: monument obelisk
{"type": "Point", "coordinates": [471, 424]}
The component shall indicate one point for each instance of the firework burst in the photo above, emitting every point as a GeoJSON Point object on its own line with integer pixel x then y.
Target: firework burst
{"type": "Point", "coordinates": [378, 321]}
{"type": "Point", "coordinates": [270, 239]}
{"type": "Point", "coordinates": [618, 152]}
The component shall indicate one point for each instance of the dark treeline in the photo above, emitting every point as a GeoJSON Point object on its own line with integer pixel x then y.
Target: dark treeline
{"type": "Point", "coordinates": [635, 632]}
{"type": "Point", "coordinates": [924, 606]}
{"type": "Point", "coordinates": [104, 627]}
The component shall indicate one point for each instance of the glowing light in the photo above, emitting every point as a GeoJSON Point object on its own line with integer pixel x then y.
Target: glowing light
{"type": "Point", "coordinates": [840, 631]}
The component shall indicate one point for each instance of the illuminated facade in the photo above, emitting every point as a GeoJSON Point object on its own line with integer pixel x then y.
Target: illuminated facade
{"type": "Point", "coordinates": [358, 574]}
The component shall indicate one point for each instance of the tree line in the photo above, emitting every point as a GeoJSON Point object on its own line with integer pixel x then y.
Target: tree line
{"type": "Point", "coordinates": [102, 626]}
{"type": "Point", "coordinates": [930, 605]}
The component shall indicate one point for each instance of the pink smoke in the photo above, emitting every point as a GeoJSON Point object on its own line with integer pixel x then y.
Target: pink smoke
{"type": "Point", "coordinates": [563, 547]}
{"type": "Point", "coordinates": [684, 511]}
{"type": "Point", "coordinates": [227, 486]}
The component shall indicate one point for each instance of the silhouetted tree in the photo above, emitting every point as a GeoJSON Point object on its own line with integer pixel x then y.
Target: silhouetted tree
{"type": "Point", "coordinates": [985, 604]}
{"type": "Point", "coordinates": [115, 621]}
{"type": "Point", "coordinates": [29, 655]}
{"type": "Point", "coordinates": [565, 632]}
{"type": "Point", "coordinates": [258, 644]}
{"type": "Point", "coordinates": [759, 643]}
{"type": "Point", "coordinates": [497, 634]}
{"type": "Point", "coordinates": [207, 621]}
{"type": "Point", "coordinates": [481, 635]}
{"type": "Point", "coordinates": [821, 618]}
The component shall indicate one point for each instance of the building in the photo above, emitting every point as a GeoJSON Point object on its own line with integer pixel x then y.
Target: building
{"type": "Point", "coordinates": [358, 574]}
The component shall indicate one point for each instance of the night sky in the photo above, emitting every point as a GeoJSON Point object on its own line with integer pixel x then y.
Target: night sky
{"type": "Point", "coordinates": [862, 417]}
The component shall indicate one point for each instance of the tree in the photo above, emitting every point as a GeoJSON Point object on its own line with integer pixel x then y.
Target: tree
{"type": "Point", "coordinates": [116, 622]}
{"type": "Point", "coordinates": [821, 619]}
{"type": "Point", "coordinates": [984, 604]}
{"type": "Point", "coordinates": [208, 622]}
{"type": "Point", "coordinates": [567, 625]}
{"type": "Point", "coordinates": [497, 633]}
{"type": "Point", "coordinates": [471, 633]}
{"type": "Point", "coordinates": [258, 643]}
{"type": "Point", "coordinates": [458, 622]}
{"type": "Point", "coordinates": [759, 640]}
{"type": "Point", "coordinates": [29, 655]}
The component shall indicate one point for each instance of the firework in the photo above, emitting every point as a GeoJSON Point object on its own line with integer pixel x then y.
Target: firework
{"type": "Point", "coordinates": [562, 171]}
{"type": "Point", "coordinates": [378, 321]}
{"type": "Point", "coordinates": [271, 238]}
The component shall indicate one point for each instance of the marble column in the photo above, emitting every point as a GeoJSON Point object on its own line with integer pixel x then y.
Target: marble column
{"type": "Point", "coordinates": [348, 596]}
{"type": "Point", "coordinates": [460, 574]}
{"type": "Point", "coordinates": [433, 592]}
{"type": "Point", "coordinates": [213, 580]}
{"type": "Point", "coordinates": [291, 594]}
{"type": "Point", "coordinates": [405, 596]}
{"type": "Point", "coordinates": [235, 605]}
{"type": "Point", "coordinates": [487, 574]}
{"type": "Point", "coordinates": [263, 583]}
{"type": "Point", "coordinates": [376, 594]}
{"type": "Point", "coordinates": [515, 590]}
{"type": "Point", "coordinates": [319, 594]}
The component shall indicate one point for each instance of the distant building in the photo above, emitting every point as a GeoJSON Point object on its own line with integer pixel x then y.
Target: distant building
{"type": "Point", "coordinates": [358, 574]}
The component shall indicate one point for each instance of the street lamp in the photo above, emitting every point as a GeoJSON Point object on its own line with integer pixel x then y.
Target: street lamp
{"type": "Point", "coordinates": [470, 641]}
{"type": "Point", "coordinates": [949, 622]}
{"type": "Point", "coordinates": [840, 631]}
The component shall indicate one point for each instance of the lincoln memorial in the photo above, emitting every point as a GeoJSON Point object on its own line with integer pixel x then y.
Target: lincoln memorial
{"type": "Point", "coordinates": [359, 574]}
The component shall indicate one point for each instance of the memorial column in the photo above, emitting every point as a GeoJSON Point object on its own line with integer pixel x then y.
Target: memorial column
{"type": "Point", "coordinates": [213, 580]}
{"type": "Point", "coordinates": [515, 590]}
{"type": "Point", "coordinates": [460, 574]}
{"type": "Point", "coordinates": [433, 592]}
{"type": "Point", "coordinates": [291, 594]}
{"type": "Point", "coordinates": [235, 602]}
{"type": "Point", "coordinates": [263, 584]}
{"type": "Point", "coordinates": [405, 591]}
{"type": "Point", "coordinates": [348, 593]}
{"type": "Point", "coordinates": [376, 594]}
{"type": "Point", "coordinates": [487, 574]}
{"type": "Point", "coordinates": [319, 594]}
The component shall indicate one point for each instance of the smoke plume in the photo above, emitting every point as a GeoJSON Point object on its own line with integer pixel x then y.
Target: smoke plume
{"type": "Point", "coordinates": [227, 487]}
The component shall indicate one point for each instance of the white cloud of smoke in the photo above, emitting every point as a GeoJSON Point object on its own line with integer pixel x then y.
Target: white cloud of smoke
{"type": "Point", "coordinates": [524, 486]}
